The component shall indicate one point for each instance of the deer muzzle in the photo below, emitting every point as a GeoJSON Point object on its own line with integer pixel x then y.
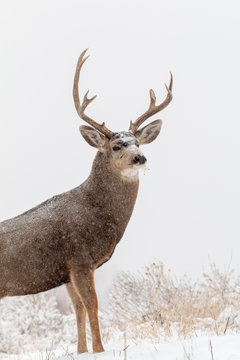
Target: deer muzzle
{"type": "Point", "coordinates": [139, 159]}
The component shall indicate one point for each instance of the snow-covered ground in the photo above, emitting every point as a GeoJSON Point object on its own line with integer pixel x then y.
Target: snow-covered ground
{"type": "Point", "coordinates": [149, 316]}
{"type": "Point", "coordinates": [200, 348]}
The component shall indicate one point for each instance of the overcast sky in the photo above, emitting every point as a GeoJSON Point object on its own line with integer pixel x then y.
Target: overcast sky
{"type": "Point", "coordinates": [188, 204]}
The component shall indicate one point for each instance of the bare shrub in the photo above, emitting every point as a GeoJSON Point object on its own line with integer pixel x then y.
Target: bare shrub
{"type": "Point", "coordinates": [154, 303]}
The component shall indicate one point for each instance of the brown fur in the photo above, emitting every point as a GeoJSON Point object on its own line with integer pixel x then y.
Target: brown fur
{"type": "Point", "coordinates": [64, 239]}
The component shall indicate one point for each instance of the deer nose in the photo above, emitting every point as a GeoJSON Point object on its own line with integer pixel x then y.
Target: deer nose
{"type": "Point", "coordinates": [140, 159]}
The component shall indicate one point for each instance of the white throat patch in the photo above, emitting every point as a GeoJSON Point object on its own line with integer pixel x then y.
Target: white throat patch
{"type": "Point", "coordinates": [130, 174]}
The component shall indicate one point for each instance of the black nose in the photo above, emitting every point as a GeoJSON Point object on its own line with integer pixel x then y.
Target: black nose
{"type": "Point", "coordinates": [139, 159]}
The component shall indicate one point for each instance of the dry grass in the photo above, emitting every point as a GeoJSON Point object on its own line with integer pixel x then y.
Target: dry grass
{"type": "Point", "coordinates": [154, 303]}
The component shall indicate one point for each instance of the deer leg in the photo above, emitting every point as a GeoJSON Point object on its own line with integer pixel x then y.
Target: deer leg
{"type": "Point", "coordinates": [83, 282]}
{"type": "Point", "coordinates": [81, 318]}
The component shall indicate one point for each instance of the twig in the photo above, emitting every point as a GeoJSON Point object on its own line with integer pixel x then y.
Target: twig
{"type": "Point", "coordinates": [67, 353]}
{"type": "Point", "coordinates": [226, 326]}
{"type": "Point", "coordinates": [185, 353]}
{"type": "Point", "coordinates": [211, 349]}
{"type": "Point", "coordinates": [125, 346]}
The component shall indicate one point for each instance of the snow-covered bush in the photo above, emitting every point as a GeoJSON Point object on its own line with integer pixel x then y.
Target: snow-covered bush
{"type": "Point", "coordinates": [34, 322]}
{"type": "Point", "coordinates": [40, 322]}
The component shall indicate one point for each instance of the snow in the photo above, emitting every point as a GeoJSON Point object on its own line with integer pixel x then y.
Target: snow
{"type": "Point", "coordinates": [39, 327]}
{"type": "Point", "coordinates": [223, 348]}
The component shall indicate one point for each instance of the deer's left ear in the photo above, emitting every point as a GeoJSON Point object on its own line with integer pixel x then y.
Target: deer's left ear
{"type": "Point", "coordinates": [149, 133]}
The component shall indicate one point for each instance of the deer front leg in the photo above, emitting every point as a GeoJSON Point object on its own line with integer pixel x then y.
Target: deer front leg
{"type": "Point", "coordinates": [81, 318]}
{"type": "Point", "coordinates": [83, 282]}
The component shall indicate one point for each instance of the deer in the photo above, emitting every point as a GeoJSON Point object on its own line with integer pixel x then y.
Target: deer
{"type": "Point", "coordinates": [66, 238]}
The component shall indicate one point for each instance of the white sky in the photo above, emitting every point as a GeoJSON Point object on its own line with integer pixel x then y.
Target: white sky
{"type": "Point", "coordinates": [188, 204]}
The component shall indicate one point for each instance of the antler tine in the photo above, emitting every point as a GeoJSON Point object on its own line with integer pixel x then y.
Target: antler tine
{"type": "Point", "coordinates": [153, 108]}
{"type": "Point", "coordinates": [86, 101]}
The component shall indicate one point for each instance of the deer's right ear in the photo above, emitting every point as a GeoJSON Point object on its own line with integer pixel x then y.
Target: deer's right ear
{"type": "Point", "coordinates": [92, 136]}
{"type": "Point", "coordinates": [149, 132]}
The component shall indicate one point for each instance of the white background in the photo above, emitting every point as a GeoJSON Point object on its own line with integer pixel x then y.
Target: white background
{"type": "Point", "coordinates": [188, 204]}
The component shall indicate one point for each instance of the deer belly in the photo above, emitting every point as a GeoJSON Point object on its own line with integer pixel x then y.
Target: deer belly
{"type": "Point", "coordinates": [34, 282]}
{"type": "Point", "coordinates": [32, 274]}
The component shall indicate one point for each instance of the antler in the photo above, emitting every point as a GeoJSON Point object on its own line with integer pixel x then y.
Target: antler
{"type": "Point", "coordinates": [81, 107]}
{"type": "Point", "coordinates": [153, 108]}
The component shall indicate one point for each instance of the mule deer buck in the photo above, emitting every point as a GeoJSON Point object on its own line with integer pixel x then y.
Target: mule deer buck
{"type": "Point", "coordinates": [64, 239]}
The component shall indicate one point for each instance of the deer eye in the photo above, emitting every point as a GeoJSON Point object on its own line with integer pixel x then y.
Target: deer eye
{"type": "Point", "coordinates": [116, 148]}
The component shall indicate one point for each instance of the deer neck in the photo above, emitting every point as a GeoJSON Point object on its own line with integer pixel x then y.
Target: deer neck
{"type": "Point", "coordinates": [110, 191]}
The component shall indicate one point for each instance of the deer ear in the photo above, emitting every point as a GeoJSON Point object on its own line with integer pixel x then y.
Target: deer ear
{"type": "Point", "coordinates": [149, 132]}
{"type": "Point", "coordinates": [92, 136]}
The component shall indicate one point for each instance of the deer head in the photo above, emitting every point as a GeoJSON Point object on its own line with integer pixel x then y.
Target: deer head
{"type": "Point", "coordinates": [122, 148]}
